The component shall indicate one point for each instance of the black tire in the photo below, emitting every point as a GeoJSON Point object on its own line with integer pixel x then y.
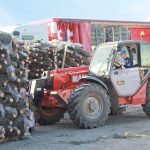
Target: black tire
{"type": "Point", "coordinates": [46, 115]}
{"type": "Point", "coordinates": [49, 116]}
{"type": "Point", "coordinates": [83, 108]}
{"type": "Point", "coordinates": [146, 106]}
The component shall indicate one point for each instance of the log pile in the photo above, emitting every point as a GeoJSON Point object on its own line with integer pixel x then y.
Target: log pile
{"type": "Point", "coordinates": [16, 118]}
{"type": "Point", "coordinates": [41, 58]}
{"type": "Point", "coordinates": [70, 54]}
{"type": "Point", "coordinates": [54, 55]}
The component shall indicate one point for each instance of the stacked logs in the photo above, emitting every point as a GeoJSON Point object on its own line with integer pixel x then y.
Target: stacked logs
{"type": "Point", "coordinates": [16, 118]}
{"type": "Point", "coordinates": [70, 54]}
{"type": "Point", "coordinates": [41, 59]}
{"type": "Point", "coordinates": [54, 55]}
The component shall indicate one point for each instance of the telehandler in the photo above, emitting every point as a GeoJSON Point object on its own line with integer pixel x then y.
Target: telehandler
{"type": "Point", "coordinates": [90, 94]}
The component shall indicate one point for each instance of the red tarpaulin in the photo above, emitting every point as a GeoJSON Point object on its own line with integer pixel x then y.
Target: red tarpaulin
{"type": "Point", "coordinates": [75, 32]}
{"type": "Point", "coordinates": [85, 35]}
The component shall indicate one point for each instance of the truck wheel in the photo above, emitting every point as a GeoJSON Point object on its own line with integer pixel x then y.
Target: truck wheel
{"type": "Point", "coordinates": [146, 106]}
{"type": "Point", "coordinates": [89, 106]}
{"type": "Point", "coordinates": [50, 115]}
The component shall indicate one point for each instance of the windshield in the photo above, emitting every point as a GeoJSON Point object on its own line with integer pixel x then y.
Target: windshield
{"type": "Point", "coordinates": [100, 60]}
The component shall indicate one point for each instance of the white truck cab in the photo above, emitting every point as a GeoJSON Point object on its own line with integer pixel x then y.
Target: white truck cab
{"type": "Point", "coordinates": [32, 32]}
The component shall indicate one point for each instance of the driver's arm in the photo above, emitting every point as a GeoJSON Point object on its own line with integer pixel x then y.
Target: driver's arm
{"type": "Point", "coordinates": [128, 63]}
{"type": "Point", "coordinates": [117, 64]}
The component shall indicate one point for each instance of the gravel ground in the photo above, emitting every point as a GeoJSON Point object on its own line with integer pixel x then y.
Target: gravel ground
{"type": "Point", "coordinates": [125, 132]}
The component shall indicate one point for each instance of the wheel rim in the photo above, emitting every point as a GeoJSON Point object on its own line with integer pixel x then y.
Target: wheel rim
{"type": "Point", "coordinates": [93, 107]}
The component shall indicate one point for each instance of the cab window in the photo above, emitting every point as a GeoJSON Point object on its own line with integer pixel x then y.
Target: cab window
{"type": "Point", "coordinates": [27, 37]}
{"type": "Point", "coordinates": [145, 55]}
{"type": "Point", "coordinates": [131, 52]}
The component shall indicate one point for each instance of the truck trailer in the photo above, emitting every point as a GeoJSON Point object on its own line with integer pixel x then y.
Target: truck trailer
{"type": "Point", "coordinates": [88, 32]}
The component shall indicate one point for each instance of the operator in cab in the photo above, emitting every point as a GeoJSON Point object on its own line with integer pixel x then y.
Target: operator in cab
{"type": "Point", "coordinates": [127, 62]}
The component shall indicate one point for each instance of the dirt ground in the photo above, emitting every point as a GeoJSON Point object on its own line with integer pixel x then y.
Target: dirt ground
{"type": "Point", "coordinates": [125, 132]}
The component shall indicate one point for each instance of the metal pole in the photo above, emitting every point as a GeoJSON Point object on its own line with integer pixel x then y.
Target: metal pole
{"type": "Point", "coordinates": [113, 33]}
{"type": "Point", "coordinates": [131, 35]}
{"type": "Point", "coordinates": [55, 58]}
{"type": "Point", "coordinates": [104, 33]}
{"type": "Point", "coordinates": [120, 33]}
{"type": "Point", "coordinates": [64, 58]}
{"type": "Point", "coordinates": [96, 36]}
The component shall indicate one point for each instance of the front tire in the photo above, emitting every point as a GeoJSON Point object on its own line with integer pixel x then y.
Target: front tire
{"type": "Point", "coordinates": [89, 106]}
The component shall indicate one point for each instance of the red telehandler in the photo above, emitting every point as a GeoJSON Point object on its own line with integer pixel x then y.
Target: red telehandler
{"type": "Point", "coordinates": [90, 94]}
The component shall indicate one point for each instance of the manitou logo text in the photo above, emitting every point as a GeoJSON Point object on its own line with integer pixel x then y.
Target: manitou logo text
{"type": "Point", "coordinates": [77, 78]}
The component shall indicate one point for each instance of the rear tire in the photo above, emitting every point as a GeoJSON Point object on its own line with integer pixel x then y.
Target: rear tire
{"type": "Point", "coordinates": [46, 115]}
{"type": "Point", "coordinates": [146, 106]}
{"type": "Point", "coordinates": [50, 115]}
{"type": "Point", "coordinates": [89, 106]}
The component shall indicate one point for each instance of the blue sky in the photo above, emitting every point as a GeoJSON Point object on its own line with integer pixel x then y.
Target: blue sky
{"type": "Point", "coordinates": [24, 11]}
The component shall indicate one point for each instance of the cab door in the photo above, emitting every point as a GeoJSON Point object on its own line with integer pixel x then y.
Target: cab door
{"type": "Point", "coordinates": [126, 81]}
